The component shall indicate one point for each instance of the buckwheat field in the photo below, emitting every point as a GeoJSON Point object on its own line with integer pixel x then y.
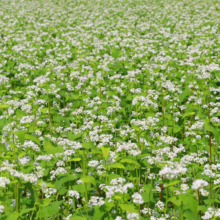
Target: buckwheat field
{"type": "Point", "coordinates": [109, 110]}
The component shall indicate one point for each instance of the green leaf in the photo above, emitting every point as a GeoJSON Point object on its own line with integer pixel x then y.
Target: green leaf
{"type": "Point", "coordinates": [4, 106]}
{"type": "Point", "coordinates": [45, 202]}
{"type": "Point", "coordinates": [213, 131]}
{"type": "Point", "coordinates": [24, 211]}
{"type": "Point", "coordinates": [115, 53]}
{"type": "Point", "coordinates": [108, 206]}
{"type": "Point", "coordinates": [63, 191]}
{"type": "Point", "coordinates": [29, 186]}
{"type": "Point", "coordinates": [57, 118]}
{"type": "Point", "coordinates": [208, 202]}
{"type": "Point", "coordinates": [88, 145]}
{"type": "Point", "coordinates": [89, 179]}
{"type": "Point", "coordinates": [203, 208]}
{"type": "Point", "coordinates": [113, 176]}
{"type": "Point", "coordinates": [20, 135]}
{"type": "Point", "coordinates": [44, 110]}
{"type": "Point", "coordinates": [128, 208]}
{"type": "Point", "coordinates": [74, 160]}
{"type": "Point", "coordinates": [50, 149]}
{"type": "Point", "coordinates": [168, 116]}
{"type": "Point", "coordinates": [11, 64]}
{"type": "Point", "coordinates": [190, 215]}
{"type": "Point", "coordinates": [184, 94]}
{"type": "Point", "coordinates": [13, 182]}
{"type": "Point", "coordinates": [20, 155]}
{"type": "Point", "coordinates": [79, 188]}
{"type": "Point", "coordinates": [176, 129]}
{"type": "Point", "coordinates": [62, 179]}
{"type": "Point", "coordinates": [74, 97]}
{"type": "Point", "coordinates": [215, 187]}
{"type": "Point", "coordinates": [145, 163]}
{"type": "Point", "coordinates": [12, 216]}
{"type": "Point", "coordinates": [191, 201]}
{"type": "Point", "coordinates": [172, 183]}
{"type": "Point", "coordinates": [126, 160]}
{"type": "Point", "coordinates": [105, 152]}
{"type": "Point", "coordinates": [99, 213]}
{"type": "Point", "coordinates": [3, 122]}
{"type": "Point", "coordinates": [209, 128]}
{"type": "Point", "coordinates": [75, 217]}
{"type": "Point", "coordinates": [32, 138]}
{"type": "Point", "coordinates": [117, 197]}
{"type": "Point", "coordinates": [51, 209]}
{"type": "Point", "coordinates": [175, 201]}
{"type": "Point", "coordinates": [147, 196]}
{"type": "Point", "coordinates": [66, 120]}
{"type": "Point", "coordinates": [7, 157]}
{"type": "Point", "coordinates": [116, 165]}
{"type": "Point", "coordinates": [3, 198]}
{"type": "Point", "coordinates": [188, 114]}
{"type": "Point", "coordinates": [147, 187]}
{"type": "Point", "coordinates": [216, 200]}
{"type": "Point", "coordinates": [73, 137]}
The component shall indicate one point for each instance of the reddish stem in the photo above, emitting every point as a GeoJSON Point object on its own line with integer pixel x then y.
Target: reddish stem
{"type": "Point", "coordinates": [199, 198]}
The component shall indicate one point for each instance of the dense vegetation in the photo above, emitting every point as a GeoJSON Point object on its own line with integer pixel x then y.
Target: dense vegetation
{"type": "Point", "coordinates": [109, 109]}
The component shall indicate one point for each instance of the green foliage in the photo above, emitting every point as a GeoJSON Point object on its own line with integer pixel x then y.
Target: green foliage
{"type": "Point", "coordinates": [105, 152]}
{"type": "Point", "coordinates": [32, 138]}
{"type": "Point", "coordinates": [49, 148]}
{"type": "Point", "coordinates": [129, 208]}
{"type": "Point", "coordinates": [108, 108]}
{"type": "Point", "coordinates": [89, 179]}
{"type": "Point", "coordinates": [21, 136]}
{"type": "Point", "coordinates": [51, 209]}
{"type": "Point", "coordinates": [63, 179]}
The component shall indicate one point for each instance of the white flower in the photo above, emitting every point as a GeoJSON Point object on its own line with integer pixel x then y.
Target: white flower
{"type": "Point", "coordinates": [137, 198]}
{"type": "Point", "coordinates": [207, 216]}
{"type": "Point", "coordinates": [197, 184]}
{"type": "Point", "coordinates": [204, 192]}
{"type": "Point", "coordinates": [184, 187]}
{"type": "Point", "coordinates": [171, 173]}
{"type": "Point", "coordinates": [95, 200]}
{"type": "Point", "coordinates": [132, 216]}
{"type": "Point", "coordinates": [146, 210]}
{"type": "Point", "coordinates": [49, 191]}
{"type": "Point", "coordinates": [24, 160]}
{"type": "Point", "coordinates": [27, 119]}
{"type": "Point", "coordinates": [93, 163]}
{"type": "Point", "coordinates": [4, 181]}
{"type": "Point", "coordinates": [68, 217]}
{"type": "Point", "coordinates": [78, 170]}
{"type": "Point", "coordinates": [74, 193]}
{"type": "Point", "coordinates": [119, 218]}
{"type": "Point", "coordinates": [79, 182]}
{"type": "Point", "coordinates": [3, 80]}
{"type": "Point", "coordinates": [2, 208]}
{"type": "Point", "coordinates": [160, 205]}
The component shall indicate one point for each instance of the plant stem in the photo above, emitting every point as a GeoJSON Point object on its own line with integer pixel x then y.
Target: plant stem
{"type": "Point", "coordinates": [50, 118]}
{"type": "Point", "coordinates": [181, 211]}
{"type": "Point", "coordinates": [149, 198]}
{"type": "Point", "coordinates": [167, 199]}
{"type": "Point", "coordinates": [86, 197]}
{"type": "Point", "coordinates": [161, 189]}
{"type": "Point", "coordinates": [210, 183]}
{"type": "Point", "coordinates": [199, 198]}
{"type": "Point", "coordinates": [210, 145]}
